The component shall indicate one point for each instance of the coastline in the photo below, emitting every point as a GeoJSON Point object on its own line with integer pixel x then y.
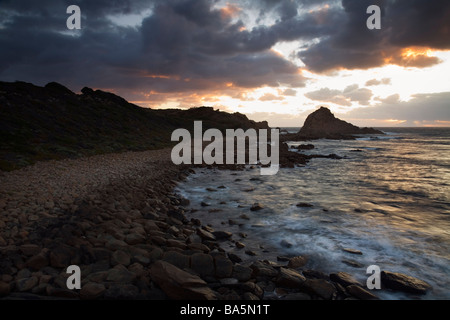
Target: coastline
{"type": "Point", "coordinates": [118, 218]}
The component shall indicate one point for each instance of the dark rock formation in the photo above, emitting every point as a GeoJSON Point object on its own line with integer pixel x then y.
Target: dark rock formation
{"type": "Point", "coordinates": [322, 124]}
{"type": "Point", "coordinates": [52, 122]}
{"type": "Point", "coordinates": [403, 282]}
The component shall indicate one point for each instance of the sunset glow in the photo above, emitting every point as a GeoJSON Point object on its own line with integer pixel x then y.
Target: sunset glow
{"type": "Point", "coordinates": [281, 59]}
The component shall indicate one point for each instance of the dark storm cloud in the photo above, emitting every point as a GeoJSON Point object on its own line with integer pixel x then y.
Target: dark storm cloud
{"type": "Point", "coordinates": [182, 45]}
{"type": "Point", "coordinates": [185, 45]}
{"type": "Point", "coordinates": [405, 24]}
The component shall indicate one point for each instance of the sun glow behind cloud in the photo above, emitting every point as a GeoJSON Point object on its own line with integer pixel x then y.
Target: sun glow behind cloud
{"type": "Point", "coordinates": [280, 58]}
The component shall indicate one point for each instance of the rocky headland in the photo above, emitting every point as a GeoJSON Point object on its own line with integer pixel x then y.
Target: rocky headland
{"type": "Point", "coordinates": [117, 217]}
{"type": "Point", "coordinates": [322, 124]}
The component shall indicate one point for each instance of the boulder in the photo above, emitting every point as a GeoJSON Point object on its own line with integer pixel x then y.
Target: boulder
{"type": "Point", "coordinates": [37, 262]}
{"type": "Point", "coordinates": [344, 279]}
{"type": "Point", "coordinates": [222, 235]}
{"type": "Point", "coordinates": [26, 284]}
{"type": "Point", "coordinates": [60, 257]}
{"type": "Point", "coordinates": [178, 284]}
{"type": "Point", "coordinates": [206, 235]}
{"type": "Point", "coordinates": [203, 264]}
{"type": "Point", "coordinates": [352, 251]}
{"type": "Point", "coordinates": [120, 257]}
{"type": "Point", "coordinates": [177, 259]}
{"type": "Point", "coordinates": [242, 273]}
{"type": "Point", "coordinates": [224, 266]}
{"type": "Point", "coordinates": [120, 274]}
{"type": "Point", "coordinates": [256, 207]}
{"type": "Point", "coordinates": [319, 287]}
{"type": "Point", "coordinates": [92, 291]}
{"type": "Point", "coordinates": [403, 282]}
{"type": "Point", "coordinates": [297, 262]}
{"type": "Point", "coordinates": [360, 293]}
{"type": "Point", "coordinates": [261, 269]}
{"type": "Point", "coordinates": [288, 278]}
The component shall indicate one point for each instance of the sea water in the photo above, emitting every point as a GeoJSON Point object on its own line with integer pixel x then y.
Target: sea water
{"type": "Point", "coordinates": [389, 197]}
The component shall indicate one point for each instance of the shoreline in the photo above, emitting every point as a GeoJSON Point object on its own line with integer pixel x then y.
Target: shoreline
{"type": "Point", "coordinates": [118, 218]}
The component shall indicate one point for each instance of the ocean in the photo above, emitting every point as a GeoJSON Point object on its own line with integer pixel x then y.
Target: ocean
{"type": "Point", "coordinates": [389, 198]}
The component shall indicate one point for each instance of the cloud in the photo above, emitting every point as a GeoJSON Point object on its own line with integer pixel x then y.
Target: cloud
{"type": "Point", "coordinates": [270, 97]}
{"type": "Point", "coordinates": [290, 92]}
{"type": "Point", "coordinates": [392, 99]}
{"type": "Point", "coordinates": [181, 46]}
{"type": "Point", "coordinates": [409, 29]}
{"type": "Point", "coordinates": [344, 98]}
{"type": "Point", "coordinates": [432, 107]}
{"type": "Point", "coordinates": [203, 47]}
{"type": "Point", "coordinates": [376, 82]}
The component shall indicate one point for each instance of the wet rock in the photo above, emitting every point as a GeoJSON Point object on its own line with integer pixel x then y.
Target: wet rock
{"type": "Point", "coordinates": [286, 244]}
{"type": "Point", "coordinates": [352, 251]}
{"type": "Point", "coordinates": [61, 256]}
{"type": "Point", "coordinates": [304, 205]}
{"type": "Point", "coordinates": [234, 257]}
{"type": "Point", "coordinates": [352, 263]}
{"type": "Point", "coordinates": [120, 274]}
{"type": "Point", "coordinates": [92, 291]}
{"type": "Point", "coordinates": [344, 279]}
{"type": "Point", "coordinates": [360, 293]}
{"type": "Point", "coordinates": [250, 253]}
{"type": "Point", "coordinates": [26, 284]}
{"type": "Point", "coordinates": [30, 249]}
{"type": "Point", "coordinates": [177, 259]}
{"type": "Point", "coordinates": [176, 244]}
{"type": "Point", "coordinates": [242, 273]}
{"type": "Point", "coordinates": [248, 296]}
{"type": "Point", "coordinates": [239, 245]}
{"type": "Point", "coordinates": [199, 247]}
{"type": "Point", "coordinates": [224, 266]}
{"type": "Point", "coordinates": [289, 278]}
{"type": "Point", "coordinates": [297, 262]}
{"type": "Point", "coordinates": [254, 288]}
{"type": "Point", "coordinates": [134, 238]}
{"type": "Point", "coordinates": [222, 235]}
{"type": "Point", "coordinates": [22, 274]}
{"type": "Point", "coordinates": [314, 274]}
{"type": "Point", "coordinates": [120, 257]}
{"type": "Point", "coordinates": [261, 269]}
{"type": "Point", "coordinates": [256, 207]}
{"type": "Point", "coordinates": [178, 284]}
{"type": "Point", "coordinates": [37, 262]}
{"type": "Point", "coordinates": [403, 282]}
{"type": "Point", "coordinates": [305, 147]}
{"type": "Point", "coordinates": [203, 264]}
{"type": "Point", "coordinates": [319, 287]}
{"type": "Point", "coordinates": [206, 235]}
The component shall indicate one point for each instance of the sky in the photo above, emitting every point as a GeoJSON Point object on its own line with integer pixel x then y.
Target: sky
{"type": "Point", "coordinates": [274, 60]}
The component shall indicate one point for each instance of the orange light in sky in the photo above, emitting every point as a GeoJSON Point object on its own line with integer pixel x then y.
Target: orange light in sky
{"type": "Point", "coordinates": [229, 11]}
{"type": "Point", "coordinates": [416, 51]}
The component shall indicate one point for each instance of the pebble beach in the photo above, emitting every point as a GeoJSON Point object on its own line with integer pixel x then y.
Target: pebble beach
{"type": "Point", "coordinates": [119, 219]}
